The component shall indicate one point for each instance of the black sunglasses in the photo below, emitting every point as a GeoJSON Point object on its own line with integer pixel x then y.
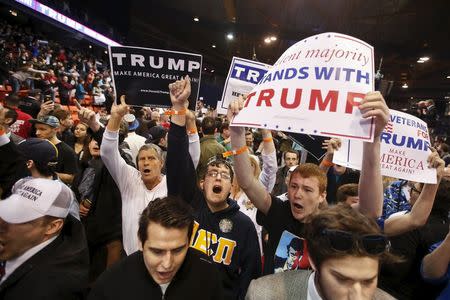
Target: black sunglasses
{"type": "Point", "coordinates": [340, 240]}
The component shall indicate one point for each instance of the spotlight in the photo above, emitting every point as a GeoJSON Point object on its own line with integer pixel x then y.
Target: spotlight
{"type": "Point", "coordinates": [405, 86]}
{"type": "Point", "coordinates": [230, 36]}
{"type": "Point", "coordinates": [273, 38]}
{"type": "Point", "coordinates": [196, 19]}
{"type": "Point", "coordinates": [267, 40]}
{"type": "Point", "coordinates": [424, 58]}
{"type": "Point", "coordinates": [213, 45]}
{"type": "Point", "coordinates": [90, 47]}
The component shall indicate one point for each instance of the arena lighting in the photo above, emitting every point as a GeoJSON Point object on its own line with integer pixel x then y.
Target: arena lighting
{"type": "Point", "coordinates": [448, 76]}
{"type": "Point", "coordinates": [106, 52]}
{"type": "Point", "coordinates": [196, 19]}
{"type": "Point", "coordinates": [90, 46]}
{"type": "Point", "coordinates": [230, 36]}
{"type": "Point", "coordinates": [273, 38]}
{"type": "Point", "coordinates": [214, 46]}
{"type": "Point", "coordinates": [405, 86]}
{"type": "Point", "coordinates": [212, 71]}
{"type": "Point", "coordinates": [267, 40]}
{"type": "Point", "coordinates": [424, 58]}
{"type": "Point", "coordinates": [13, 12]}
{"type": "Point", "coordinates": [60, 18]}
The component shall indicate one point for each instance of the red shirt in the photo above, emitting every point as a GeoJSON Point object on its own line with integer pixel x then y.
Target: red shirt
{"type": "Point", "coordinates": [22, 127]}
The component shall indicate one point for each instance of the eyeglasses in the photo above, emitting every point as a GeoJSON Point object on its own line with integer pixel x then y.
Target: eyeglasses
{"type": "Point", "coordinates": [214, 173]}
{"type": "Point", "coordinates": [340, 240]}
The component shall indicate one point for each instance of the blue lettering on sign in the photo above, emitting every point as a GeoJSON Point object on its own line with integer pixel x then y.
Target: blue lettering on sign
{"type": "Point", "coordinates": [247, 73]}
{"type": "Point", "coordinates": [404, 141]}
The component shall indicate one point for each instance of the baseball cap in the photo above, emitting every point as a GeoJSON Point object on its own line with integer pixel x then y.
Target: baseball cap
{"type": "Point", "coordinates": [39, 150]}
{"type": "Point", "coordinates": [156, 133]}
{"type": "Point", "coordinates": [46, 120]}
{"type": "Point", "coordinates": [133, 125]}
{"type": "Point", "coordinates": [33, 198]}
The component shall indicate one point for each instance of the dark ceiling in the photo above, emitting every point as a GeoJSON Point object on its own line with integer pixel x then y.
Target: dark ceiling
{"type": "Point", "coordinates": [400, 30]}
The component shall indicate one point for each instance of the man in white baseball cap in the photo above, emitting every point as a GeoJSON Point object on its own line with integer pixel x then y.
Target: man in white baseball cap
{"type": "Point", "coordinates": [43, 249]}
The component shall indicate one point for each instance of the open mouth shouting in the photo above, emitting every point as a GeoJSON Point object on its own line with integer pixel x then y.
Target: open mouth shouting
{"type": "Point", "coordinates": [297, 207]}
{"type": "Point", "coordinates": [217, 189]}
{"type": "Point", "coordinates": [146, 171]}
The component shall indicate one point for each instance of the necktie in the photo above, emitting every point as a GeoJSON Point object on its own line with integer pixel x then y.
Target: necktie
{"type": "Point", "coordinates": [2, 269]}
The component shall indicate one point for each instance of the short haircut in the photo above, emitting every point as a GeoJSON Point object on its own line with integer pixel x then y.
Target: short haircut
{"type": "Point", "coordinates": [223, 126]}
{"type": "Point", "coordinates": [45, 169]}
{"type": "Point", "coordinates": [291, 151]}
{"type": "Point", "coordinates": [311, 170]}
{"type": "Point", "coordinates": [217, 161]}
{"type": "Point", "coordinates": [11, 114]}
{"type": "Point", "coordinates": [12, 101]}
{"type": "Point", "coordinates": [61, 114]}
{"type": "Point", "coordinates": [208, 125]}
{"type": "Point", "coordinates": [153, 147]}
{"type": "Point", "coordinates": [346, 190]}
{"type": "Point", "coordinates": [339, 217]}
{"type": "Point", "coordinates": [296, 244]}
{"type": "Point", "coordinates": [445, 147]}
{"type": "Point", "coordinates": [169, 212]}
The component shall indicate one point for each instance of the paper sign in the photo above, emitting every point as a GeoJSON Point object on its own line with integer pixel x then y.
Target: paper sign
{"type": "Point", "coordinates": [405, 146]}
{"type": "Point", "coordinates": [144, 74]}
{"type": "Point", "coordinates": [314, 88]}
{"type": "Point", "coordinates": [242, 77]}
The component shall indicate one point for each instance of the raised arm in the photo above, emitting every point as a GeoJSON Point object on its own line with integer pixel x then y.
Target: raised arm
{"type": "Point", "coordinates": [435, 265]}
{"type": "Point", "coordinates": [181, 177]}
{"type": "Point", "coordinates": [109, 149]}
{"type": "Point", "coordinates": [331, 145]}
{"type": "Point", "coordinates": [194, 139]}
{"type": "Point", "coordinates": [422, 207]}
{"type": "Point", "coordinates": [251, 186]}
{"type": "Point", "coordinates": [370, 182]}
{"type": "Point", "coordinates": [268, 174]}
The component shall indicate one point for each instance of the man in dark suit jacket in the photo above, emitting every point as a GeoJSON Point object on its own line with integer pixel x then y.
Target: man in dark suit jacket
{"type": "Point", "coordinates": [43, 250]}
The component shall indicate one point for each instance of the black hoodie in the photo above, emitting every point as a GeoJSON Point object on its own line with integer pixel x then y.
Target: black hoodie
{"type": "Point", "coordinates": [228, 237]}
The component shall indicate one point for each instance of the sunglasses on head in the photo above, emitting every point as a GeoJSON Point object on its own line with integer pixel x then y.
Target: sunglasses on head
{"type": "Point", "coordinates": [340, 240]}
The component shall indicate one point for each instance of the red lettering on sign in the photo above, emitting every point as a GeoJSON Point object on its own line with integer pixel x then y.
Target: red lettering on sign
{"type": "Point", "coordinates": [351, 101]}
{"type": "Point", "coordinates": [297, 98]}
{"type": "Point", "coordinates": [266, 96]}
{"type": "Point", "coordinates": [316, 97]}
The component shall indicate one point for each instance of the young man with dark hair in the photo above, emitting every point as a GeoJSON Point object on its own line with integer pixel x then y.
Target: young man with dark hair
{"type": "Point", "coordinates": [8, 117]}
{"type": "Point", "coordinates": [166, 267]}
{"type": "Point", "coordinates": [346, 249]}
{"type": "Point", "coordinates": [209, 147]}
{"type": "Point", "coordinates": [22, 126]}
{"type": "Point", "coordinates": [65, 133]}
{"type": "Point", "coordinates": [307, 183]}
{"type": "Point", "coordinates": [226, 235]}
{"type": "Point", "coordinates": [291, 158]}
{"type": "Point", "coordinates": [224, 136]}
{"type": "Point", "coordinates": [347, 193]}
{"type": "Point", "coordinates": [67, 166]}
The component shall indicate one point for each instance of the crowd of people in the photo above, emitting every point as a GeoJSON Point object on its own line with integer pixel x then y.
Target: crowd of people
{"type": "Point", "coordinates": [128, 202]}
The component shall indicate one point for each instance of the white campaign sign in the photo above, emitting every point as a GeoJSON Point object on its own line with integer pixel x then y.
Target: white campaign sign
{"type": "Point", "coordinates": [315, 88]}
{"type": "Point", "coordinates": [242, 77]}
{"type": "Point", "coordinates": [404, 150]}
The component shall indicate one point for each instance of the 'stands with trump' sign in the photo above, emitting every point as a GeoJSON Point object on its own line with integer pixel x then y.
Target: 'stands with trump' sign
{"type": "Point", "coordinates": [315, 88]}
{"type": "Point", "coordinates": [144, 74]}
{"type": "Point", "coordinates": [405, 144]}
{"type": "Point", "coordinates": [242, 77]}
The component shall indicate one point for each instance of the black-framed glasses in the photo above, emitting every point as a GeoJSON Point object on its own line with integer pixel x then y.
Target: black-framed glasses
{"type": "Point", "coordinates": [340, 240]}
{"type": "Point", "coordinates": [214, 173]}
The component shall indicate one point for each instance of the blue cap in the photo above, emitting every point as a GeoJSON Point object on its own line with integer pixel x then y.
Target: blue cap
{"type": "Point", "coordinates": [51, 121]}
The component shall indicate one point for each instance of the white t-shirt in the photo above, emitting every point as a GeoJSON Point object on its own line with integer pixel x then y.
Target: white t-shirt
{"type": "Point", "coordinates": [134, 193]}
{"type": "Point", "coordinates": [313, 294]}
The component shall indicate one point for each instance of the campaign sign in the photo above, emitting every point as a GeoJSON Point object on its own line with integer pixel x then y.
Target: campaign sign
{"type": "Point", "coordinates": [242, 77]}
{"type": "Point", "coordinates": [315, 88]}
{"type": "Point", "coordinates": [405, 144]}
{"type": "Point", "coordinates": [144, 74]}
{"type": "Point", "coordinates": [311, 143]}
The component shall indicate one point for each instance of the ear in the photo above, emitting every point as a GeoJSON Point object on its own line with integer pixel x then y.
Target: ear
{"type": "Point", "coordinates": [30, 164]}
{"type": "Point", "coordinates": [8, 121]}
{"type": "Point", "coordinates": [54, 226]}
{"type": "Point", "coordinates": [200, 183]}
